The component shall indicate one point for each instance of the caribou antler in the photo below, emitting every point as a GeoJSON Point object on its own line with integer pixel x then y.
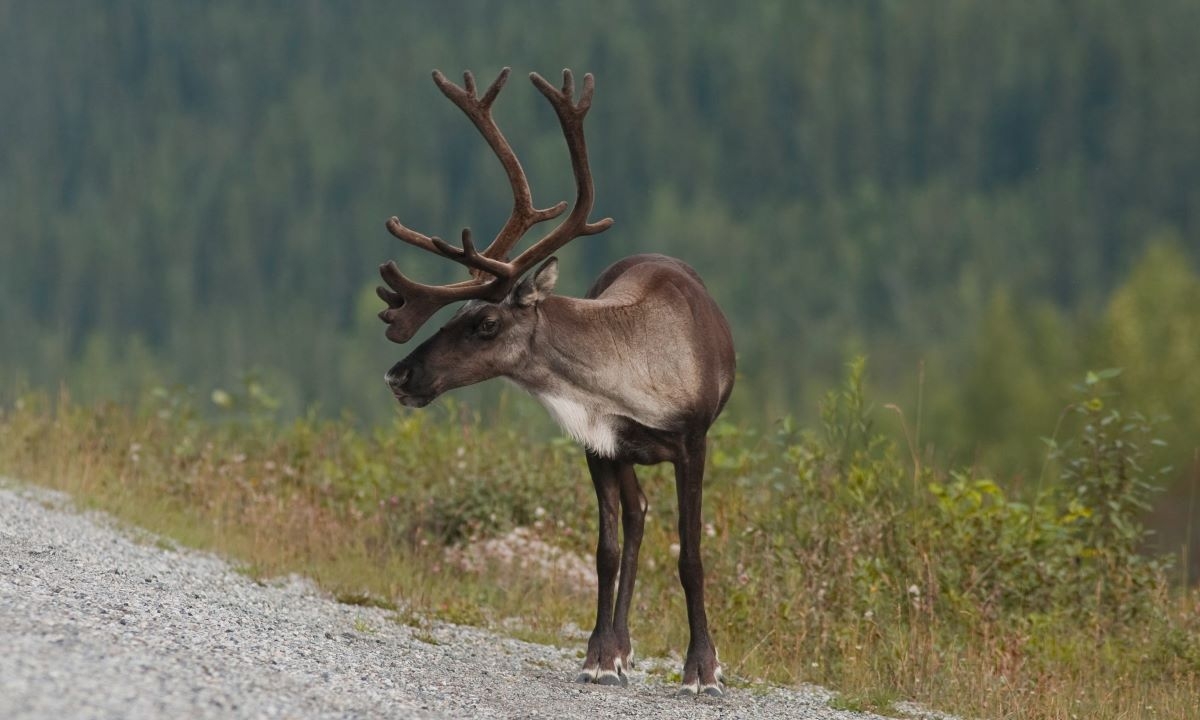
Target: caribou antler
{"type": "Point", "coordinates": [410, 304]}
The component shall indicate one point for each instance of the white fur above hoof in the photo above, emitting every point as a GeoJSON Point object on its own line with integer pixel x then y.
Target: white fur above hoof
{"type": "Point", "coordinates": [603, 677]}
{"type": "Point", "coordinates": [694, 689]}
{"type": "Point", "coordinates": [608, 677]}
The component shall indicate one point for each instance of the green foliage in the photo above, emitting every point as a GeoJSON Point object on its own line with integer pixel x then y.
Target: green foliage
{"type": "Point", "coordinates": [844, 527]}
{"type": "Point", "coordinates": [992, 407]}
{"type": "Point", "coordinates": [1075, 545]}
{"type": "Point", "coordinates": [1109, 492]}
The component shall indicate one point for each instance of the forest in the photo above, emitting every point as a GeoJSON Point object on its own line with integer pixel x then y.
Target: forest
{"type": "Point", "coordinates": [979, 219]}
{"type": "Point", "coordinates": [985, 199]}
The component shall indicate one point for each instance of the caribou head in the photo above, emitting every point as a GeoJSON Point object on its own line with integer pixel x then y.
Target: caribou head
{"type": "Point", "coordinates": [482, 341]}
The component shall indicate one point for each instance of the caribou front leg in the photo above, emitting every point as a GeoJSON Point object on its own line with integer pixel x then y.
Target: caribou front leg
{"type": "Point", "coordinates": [701, 670]}
{"type": "Point", "coordinates": [604, 662]}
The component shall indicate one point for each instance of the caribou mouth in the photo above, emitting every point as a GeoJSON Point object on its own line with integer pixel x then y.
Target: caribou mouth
{"type": "Point", "coordinates": [412, 401]}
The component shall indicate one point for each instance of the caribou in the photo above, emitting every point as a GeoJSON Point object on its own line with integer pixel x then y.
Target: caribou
{"type": "Point", "coordinates": [636, 371]}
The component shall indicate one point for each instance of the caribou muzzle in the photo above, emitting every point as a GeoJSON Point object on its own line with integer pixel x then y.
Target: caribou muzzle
{"type": "Point", "coordinates": [406, 388]}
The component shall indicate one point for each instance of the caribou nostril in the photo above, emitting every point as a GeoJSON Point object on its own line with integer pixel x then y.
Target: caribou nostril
{"type": "Point", "coordinates": [396, 378]}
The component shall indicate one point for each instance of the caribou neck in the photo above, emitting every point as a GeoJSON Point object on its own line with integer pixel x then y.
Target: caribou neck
{"type": "Point", "coordinates": [573, 348]}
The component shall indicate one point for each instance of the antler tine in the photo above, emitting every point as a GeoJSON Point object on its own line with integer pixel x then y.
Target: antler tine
{"type": "Point", "coordinates": [568, 88]}
{"type": "Point", "coordinates": [589, 87]}
{"type": "Point", "coordinates": [494, 89]}
{"type": "Point", "coordinates": [472, 259]}
{"type": "Point", "coordinates": [466, 256]}
{"type": "Point", "coordinates": [410, 236]}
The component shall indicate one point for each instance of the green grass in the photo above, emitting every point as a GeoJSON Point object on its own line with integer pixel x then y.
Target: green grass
{"type": "Point", "coordinates": [832, 556]}
{"type": "Point", "coordinates": [361, 625]}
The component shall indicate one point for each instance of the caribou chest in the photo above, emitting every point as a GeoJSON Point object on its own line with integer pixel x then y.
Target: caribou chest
{"type": "Point", "coordinates": [588, 427]}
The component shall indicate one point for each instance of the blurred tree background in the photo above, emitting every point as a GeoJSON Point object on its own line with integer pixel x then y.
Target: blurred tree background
{"type": "Point", "coordinates": [991, 197]}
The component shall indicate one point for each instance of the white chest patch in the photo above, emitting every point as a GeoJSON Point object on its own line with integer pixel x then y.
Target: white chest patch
{"type": "Point", "coordinates": [592, 431]}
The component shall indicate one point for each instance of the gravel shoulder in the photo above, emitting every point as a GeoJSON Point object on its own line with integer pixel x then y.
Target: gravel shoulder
{"type": "Point", "coordinates": [98, 621]}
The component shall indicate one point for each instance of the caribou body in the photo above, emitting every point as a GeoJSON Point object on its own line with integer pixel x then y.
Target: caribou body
{"type": "Point", "coordinates": [636, 371]}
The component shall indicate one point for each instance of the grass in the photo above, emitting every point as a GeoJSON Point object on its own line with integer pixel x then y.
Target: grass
{"type": "Point", "coordinates": [832, 556]}
{"type": "Point", "coordinates": [362, 626]}
{"type": "Point", "coordinates": [364, 600]}
{"type": "Point", "coordinates": [880, 701]}
{"type": "Point", "coordinates": [426, 637]}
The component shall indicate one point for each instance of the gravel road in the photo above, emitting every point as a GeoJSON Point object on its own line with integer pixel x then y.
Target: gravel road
{"type": "Point", "coordinates": [101, 622]}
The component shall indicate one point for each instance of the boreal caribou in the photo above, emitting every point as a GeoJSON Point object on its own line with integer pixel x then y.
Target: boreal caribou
{"type": "Point", "coordinates": [636, 371]}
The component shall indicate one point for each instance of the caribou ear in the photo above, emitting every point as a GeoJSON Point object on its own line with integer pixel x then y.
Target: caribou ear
{"type": "Point", "coordinates": [537, 287]}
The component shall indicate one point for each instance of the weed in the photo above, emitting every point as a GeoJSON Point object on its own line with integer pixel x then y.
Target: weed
{"type": "Point", "coordinates": [426, 637]}
{"type": "Point", "coordinates": [362, 626]}
{"type": "Point", "coordinates": [363, 599]}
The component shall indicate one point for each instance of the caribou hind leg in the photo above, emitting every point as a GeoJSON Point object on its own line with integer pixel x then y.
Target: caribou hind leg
{"type": "Point", "coordinates": [633, 521]}
{"type": "Point", "coordinates": [701, 670]}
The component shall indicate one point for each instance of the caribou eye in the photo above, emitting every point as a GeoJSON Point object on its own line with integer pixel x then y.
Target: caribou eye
{"type": "Point", "coordinates": [487, 327]}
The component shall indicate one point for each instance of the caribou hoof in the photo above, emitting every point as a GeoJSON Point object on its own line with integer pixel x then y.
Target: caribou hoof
{"type": "Point", "coordinates": [702, 677]}
{"type": "Point", "coordinates": [712, 690]}
{"type": "Point", "coordinates": [604, 664]}
{"type": "Point", "coordinates": [603, 677]}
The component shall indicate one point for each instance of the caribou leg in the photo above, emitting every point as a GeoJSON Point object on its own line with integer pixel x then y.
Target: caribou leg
{"type": "Point", "coordinates": [633, 521]}
{"type": "Point", "coordinates": [603, 663]}
{"type": "Point", "coordinates": [701, 670]}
